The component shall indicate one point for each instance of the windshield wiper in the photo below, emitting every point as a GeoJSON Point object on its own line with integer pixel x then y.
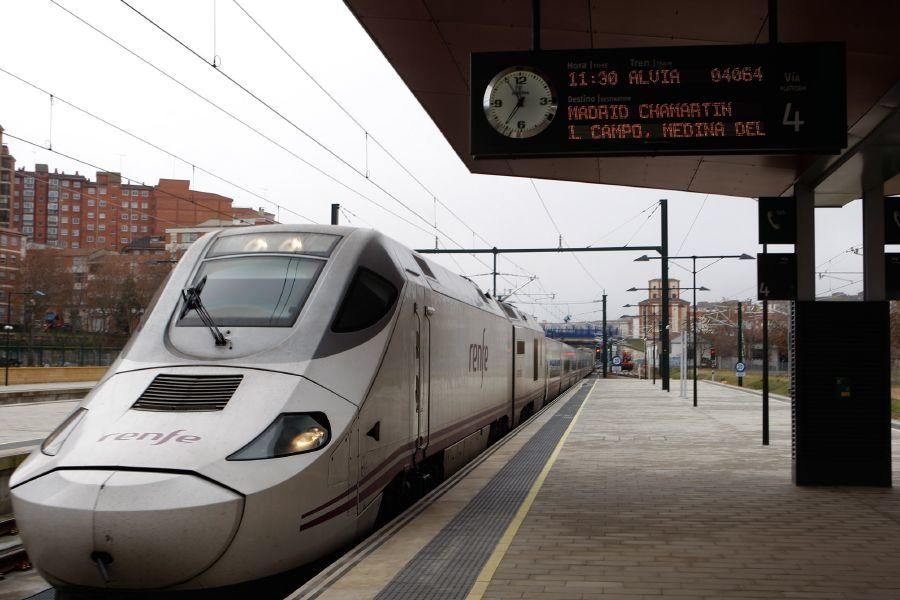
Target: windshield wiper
{"type": "Point", "coordinates": [192, 301]}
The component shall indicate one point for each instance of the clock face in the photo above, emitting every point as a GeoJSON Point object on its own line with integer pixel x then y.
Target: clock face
{"type": "Point", "coordinates": [519, 103]}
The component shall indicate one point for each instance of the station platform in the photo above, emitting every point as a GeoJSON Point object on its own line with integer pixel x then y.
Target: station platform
{"type": "Point", "coordinates": [44, 392]}
{"type": "Point", "coordinates": [620, 490]}
{"type": "Point", "coordinates": [23, 426]}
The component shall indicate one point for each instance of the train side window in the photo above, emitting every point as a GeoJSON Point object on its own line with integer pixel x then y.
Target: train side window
{"type": "Point", "coordinates": [520, 347]}
{"type": "Point", "coordinates": [424, 266]}
{"type": "Point", "coordinates": [369, 298]}
{"type": "Point", "coordinates": [535, 359]}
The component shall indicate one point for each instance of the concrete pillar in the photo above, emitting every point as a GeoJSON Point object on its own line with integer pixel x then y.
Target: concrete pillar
{"type": "Point", "coordinates": [806, 242]}
{"type": "Point", "coordinates": [873, 227]}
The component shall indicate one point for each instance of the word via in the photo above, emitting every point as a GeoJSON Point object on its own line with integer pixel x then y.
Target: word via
{"type": "Point", "coordinates": [157, 438]}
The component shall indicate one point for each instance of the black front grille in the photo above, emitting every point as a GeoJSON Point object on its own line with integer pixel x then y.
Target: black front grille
{"type": "Point", "coordinates": [188, 392]}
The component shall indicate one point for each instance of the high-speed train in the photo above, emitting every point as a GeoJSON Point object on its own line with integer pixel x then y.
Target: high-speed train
{"type": "Point", "coordinates": [287, 386]}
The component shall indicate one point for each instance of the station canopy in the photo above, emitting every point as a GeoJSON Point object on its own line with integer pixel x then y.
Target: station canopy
{"type": "Point", "coordinates": [429, 42]}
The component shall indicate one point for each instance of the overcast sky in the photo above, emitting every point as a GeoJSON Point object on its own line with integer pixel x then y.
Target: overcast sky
{"type": "Point", "coordinates": [50, 48]}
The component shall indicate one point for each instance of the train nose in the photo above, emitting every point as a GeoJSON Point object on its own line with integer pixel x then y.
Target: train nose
{"type": "Point", "coordinates": [124, 529]}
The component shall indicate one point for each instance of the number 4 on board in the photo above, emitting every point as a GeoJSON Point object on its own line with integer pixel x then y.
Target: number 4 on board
{"type": "Point", "coordinates": [796, 122]}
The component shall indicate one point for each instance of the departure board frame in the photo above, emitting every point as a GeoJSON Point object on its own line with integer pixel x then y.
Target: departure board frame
{"type": "Point", "coordinates": [668, 100]}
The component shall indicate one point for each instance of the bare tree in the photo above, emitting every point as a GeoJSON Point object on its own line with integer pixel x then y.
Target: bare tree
{"type": "Point", "coordinates": [44, 270]}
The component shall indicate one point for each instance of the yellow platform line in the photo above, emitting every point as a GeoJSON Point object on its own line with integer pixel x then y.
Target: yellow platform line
{"type": "Point", "coordinates": [490, 567]}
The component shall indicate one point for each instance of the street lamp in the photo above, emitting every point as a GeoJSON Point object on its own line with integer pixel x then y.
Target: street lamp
{"type": "Point", "coordinates": [693, 259]}
{"type": "Point", "coordinates": [680, 289]}
{"type": "Point", "coordinates": [7, 328]}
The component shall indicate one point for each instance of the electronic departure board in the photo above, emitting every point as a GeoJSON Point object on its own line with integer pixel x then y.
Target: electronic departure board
{"type": "Point", "coordinates": [651, 101]}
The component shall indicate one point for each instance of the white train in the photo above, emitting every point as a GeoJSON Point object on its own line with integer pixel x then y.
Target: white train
{"type": "Point", "coordinates": [342, 372]}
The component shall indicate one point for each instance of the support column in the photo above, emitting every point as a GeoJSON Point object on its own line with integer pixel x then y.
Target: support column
{"type": "Point", "coordinates": [664, 273]}
{"type": "Point", "coordinates": [806, 243]}
{"type": "Point", "coordinates": [605, 356]}
{"type": "Point", "coordinates": [873, 227]}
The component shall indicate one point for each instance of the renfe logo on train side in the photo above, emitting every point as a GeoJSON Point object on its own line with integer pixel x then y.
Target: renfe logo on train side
{"type": "Point", "coordinates": [156, 438]}
{"type": "Point", "coordinates": [478, 357]}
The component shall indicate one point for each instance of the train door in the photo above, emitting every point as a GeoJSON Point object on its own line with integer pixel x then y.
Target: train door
{"type": "Point", "coordinates": [514, 367]}
{"type": "Point", "coordinates": [422, 371]}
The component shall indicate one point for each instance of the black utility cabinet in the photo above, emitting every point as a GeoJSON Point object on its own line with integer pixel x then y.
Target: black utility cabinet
{"type": "Point", "coordinates": [841, 393]}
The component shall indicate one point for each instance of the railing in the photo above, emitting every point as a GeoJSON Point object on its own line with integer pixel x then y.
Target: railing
{"type": "Point", "coordinates": [58, 355]}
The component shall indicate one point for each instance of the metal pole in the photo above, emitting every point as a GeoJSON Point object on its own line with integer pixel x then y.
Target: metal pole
{"type": "Point", "coordinates": [6, 369]}
{"type": "Point", "coordinates": [664, 327]}
{"type": "Point", "coordinates": [653, 352]}
{"type": "Point", "coordinates": [740, 341]}
{"type": "Point", "coordinates": [335, 208]}
{"type": "Point", "coordinates": [605, 352]}
{"type": "Point", "coordinates": [694, 333]}
{"type": "Point", "coordinates": [683, 382]}
{"type": "Point", "coordinates": [765, 373]}
{"type": "Point", "coordinates": [495, 271]}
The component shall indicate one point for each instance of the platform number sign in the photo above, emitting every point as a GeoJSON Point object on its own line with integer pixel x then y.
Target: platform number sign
{"type": "Point", "coordinates": [792, 117]}
{"type": "Point", "coordinates": [776, 276]}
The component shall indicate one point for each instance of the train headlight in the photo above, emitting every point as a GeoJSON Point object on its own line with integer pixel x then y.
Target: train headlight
{"type": "Point", "coordinates": [289, 433]}
{"type": "Point", "coordinates": [59, 436]}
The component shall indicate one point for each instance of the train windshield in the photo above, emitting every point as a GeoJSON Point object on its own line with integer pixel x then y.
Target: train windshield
{"type": "Point", "coordinates": [255, 291]}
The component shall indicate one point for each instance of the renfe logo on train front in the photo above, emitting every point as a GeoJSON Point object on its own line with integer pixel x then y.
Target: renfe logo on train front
{"type": "Point", "coordinates": [155, 439]}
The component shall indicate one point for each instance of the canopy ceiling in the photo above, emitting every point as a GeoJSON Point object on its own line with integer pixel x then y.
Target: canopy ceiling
{"type": "Point", "coordinates": [429, 41]}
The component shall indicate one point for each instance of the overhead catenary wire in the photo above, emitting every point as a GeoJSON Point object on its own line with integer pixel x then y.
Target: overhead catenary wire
{"type": "Point", "coordinates": [153, 145]}
{"type": "Point", "coordinates": [243, 87]}
{"type": "Point", "coordinates": [644, 222]}
{"type": "Point", "coordinates": [652, 206]}
{"type": "Point", "coordinates": [257, 131]}
{"type": "Point", "coordinates": [556, 227]}
{"type": "Point", "coordinates": [139, 182]}
{"type": "Point", "coordinates": [368, 135]}
{"type": "Point", "coordinates": [694, 222]}
{"type": "Point", "coordinates": [238, 119]}
{"type": "Point", "coordinates": [266, 137]}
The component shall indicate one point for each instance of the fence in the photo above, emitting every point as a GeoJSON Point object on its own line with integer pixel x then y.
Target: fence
{"type": "Point", "coordinates": [59, 355]}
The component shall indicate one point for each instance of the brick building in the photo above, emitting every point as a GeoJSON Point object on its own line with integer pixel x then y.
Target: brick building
{"type": "Point", "coordinates": [12, 256]}
{"type": "Point", "coordinates": [7, 168]}
{"type": "Point", "coordinates": [70, 211]}
{"type": "Point", "coordinates": [12, 242]}
{"type": "Point", "coordinates": [650, 309]}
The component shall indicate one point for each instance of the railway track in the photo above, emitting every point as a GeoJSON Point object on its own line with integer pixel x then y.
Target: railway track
{"type": "Point", "coordinates": [12, 553]}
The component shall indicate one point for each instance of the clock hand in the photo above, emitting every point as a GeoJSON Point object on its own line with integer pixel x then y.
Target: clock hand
{"type": "Point", "coordinates": [518, 105]}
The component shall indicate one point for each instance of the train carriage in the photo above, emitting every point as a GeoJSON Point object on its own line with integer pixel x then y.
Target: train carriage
{"type": "Point", "coordinates": [288, 387]}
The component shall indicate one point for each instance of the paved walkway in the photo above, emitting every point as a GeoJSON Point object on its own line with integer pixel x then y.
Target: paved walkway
{"type": "Point", "coordinates": [23, 426]}
{"type": "Point", "coordinates": [44, 392]}
{"type": "Point", "coordinates": [649, 498]}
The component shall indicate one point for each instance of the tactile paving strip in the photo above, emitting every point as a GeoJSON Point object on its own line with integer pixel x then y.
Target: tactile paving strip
{"type": "Point", "coordinates": [447, 566]}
